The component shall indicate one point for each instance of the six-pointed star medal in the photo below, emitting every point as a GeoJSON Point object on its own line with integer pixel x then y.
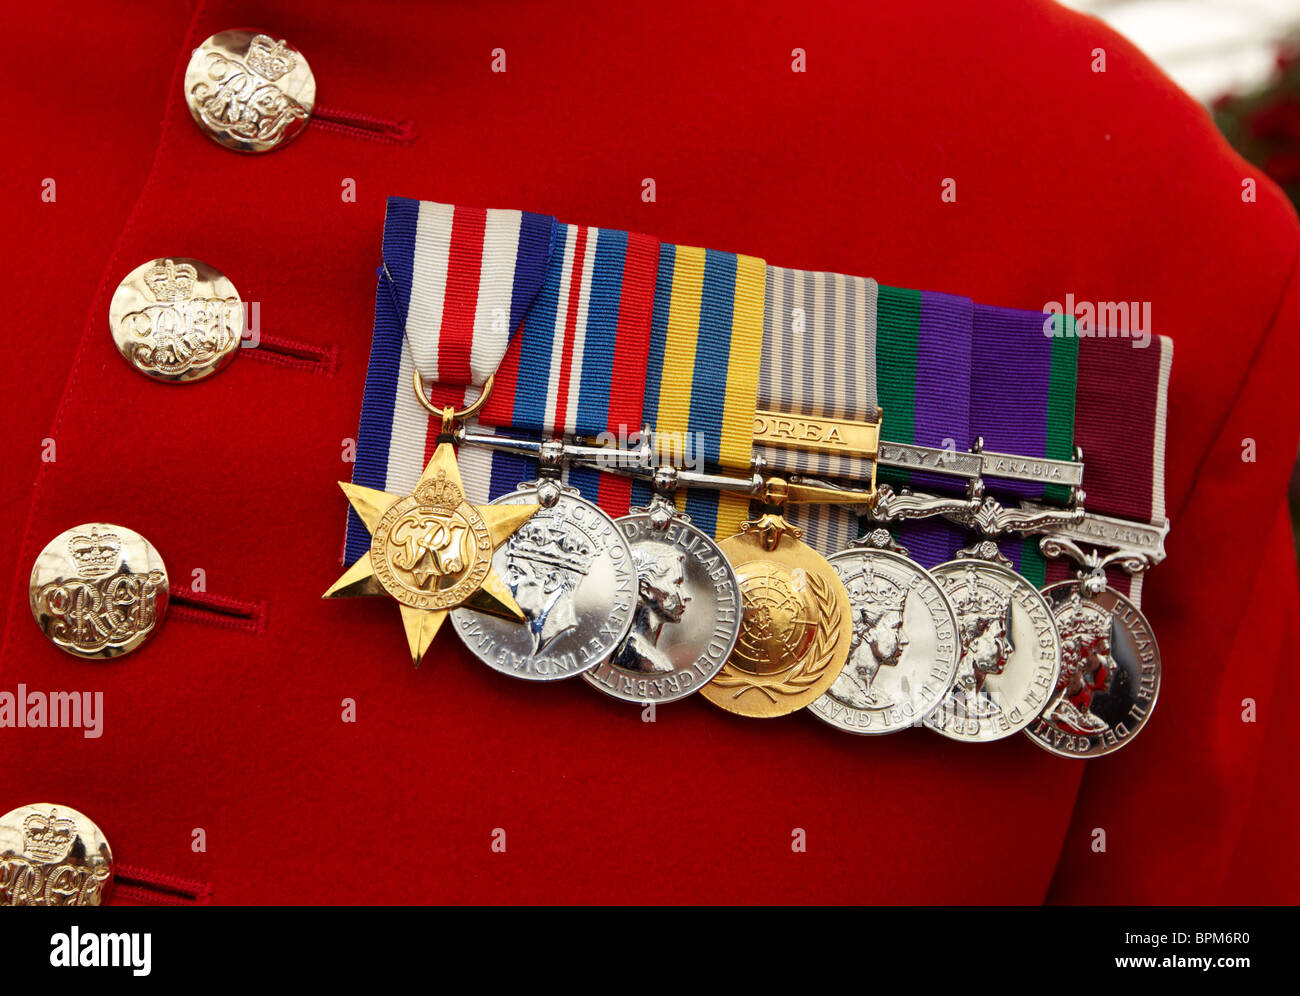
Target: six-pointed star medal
{"type": "Point", "coordinates": [432, 551]}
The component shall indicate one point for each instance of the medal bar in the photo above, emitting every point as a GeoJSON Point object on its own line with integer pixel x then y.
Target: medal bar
{"type": "Point", "coordinates": [862, 440]}
{"type": "Point", "coordinates": [773, 380]}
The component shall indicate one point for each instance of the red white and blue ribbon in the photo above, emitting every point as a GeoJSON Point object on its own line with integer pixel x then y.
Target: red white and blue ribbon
{"type": "Point", "coordinates": [578, 365]}
{"type": "Point", "coordinates": [559, 315]}
{"type": "Point", "coordinates": [454, 284]}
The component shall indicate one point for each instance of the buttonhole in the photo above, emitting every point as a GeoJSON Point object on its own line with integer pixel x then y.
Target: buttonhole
{"type": "Point", "coordinates": [140, 887]}
{"type": "Point", "coordinates": [218, 610]}
{"type": "Point", "coordinates": [301, 356]}
{"type": "Point", "coordinates": [357, 125]}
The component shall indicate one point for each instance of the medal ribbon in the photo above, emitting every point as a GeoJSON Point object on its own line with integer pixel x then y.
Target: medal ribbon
{"type": "Point", "coordinates": [595, 330]}
{"type": "Point", "coordinates": [1022, 402]}
{"type": "Point", "coordinates": [819, 360]}
{"type": "Point", "coordinates": [577, 366]}
{"type": "Point", "coordinates": [923, 367]}
{"type": "Point", "coordinates": [702, 373]}
{"type": "Point", "coordinates": [454, 284]}
{"type": "Point", "coordinates": [1121, 406]}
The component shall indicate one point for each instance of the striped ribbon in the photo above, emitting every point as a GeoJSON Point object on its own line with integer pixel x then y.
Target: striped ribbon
{"type": "Point", "coordinates": [706, 342]}
{"type": "Point", "coordinates": [923, 367]}
{"type": "Point", "coordinates": [578, 365]}
{"type": "Point", "coordinates": [595, 330]}
{"type": "Point", "coordinates": [1121, 411]}
{"type": "Point", "coordinates": [456, 278]}
{"type": "Point", "coordinates": [819, 359]}
{"type": "Point", "coordinates": [1022, 402]}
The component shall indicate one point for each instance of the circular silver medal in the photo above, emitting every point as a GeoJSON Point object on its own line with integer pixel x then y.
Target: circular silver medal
{"type": "Point", "coordinates": [1010, 652]}
{"type": "Point", "coordinates": [570, 571]}
{"type": "Point", "coordinates": [904, 652]}
{"type": "Point", "coordinates": [687, 612]}
{"type": "Point", "coordinates": [1110, 672]}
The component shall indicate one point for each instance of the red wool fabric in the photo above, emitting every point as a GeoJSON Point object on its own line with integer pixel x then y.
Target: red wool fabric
{"type": "Point", "coordinates": [1112, 186]}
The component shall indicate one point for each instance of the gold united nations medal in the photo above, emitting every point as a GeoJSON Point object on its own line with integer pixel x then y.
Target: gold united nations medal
{"type": "Point", "coordinates": [796, 621]}
{"type": "Point", "coordinates": [432, 550]}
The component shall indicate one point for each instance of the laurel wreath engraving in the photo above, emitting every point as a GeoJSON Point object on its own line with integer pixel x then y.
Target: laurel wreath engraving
{"type": "Point", "coordinates": [806, 671]}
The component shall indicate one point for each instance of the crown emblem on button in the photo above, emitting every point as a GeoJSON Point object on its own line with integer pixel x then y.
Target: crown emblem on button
{"type": "Point", "coordinates": [95, 554]}
{"type": "Point", "coordinates": [268, 58]}
{"type": "Point", "coordinates": [169, 281]}
{"type": "Point", "coordinates": [48, 839]}
{"type": "Point", "coordinates": [439, 493]}
{"type": "Point", "coordinates": [551, 548]}
{"type": "Point", "coordinates": [248, 91]}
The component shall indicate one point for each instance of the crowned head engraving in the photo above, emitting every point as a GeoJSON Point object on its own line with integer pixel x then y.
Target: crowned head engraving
{"type": "Point", "coordinates": [551, 549]}
{"type": "Point", "coordinates": [661, 601]}
{"type": "Point", "coordinates": [545, 565]}
{"type": "Point", "coordinates": [96, 554]}
{"type": "Point", "coordinates": [268, 58]}
{"type": "Point", "coordinates": [171, 281]}
{"type": "Point", "coordinates": [879, 639]}
{"type": "Point", "coordinates": [48, 839]}
{"type": "Point", "coordinates": [984, 625]}
{"type": "Point", "coordinates": [1086, 665]}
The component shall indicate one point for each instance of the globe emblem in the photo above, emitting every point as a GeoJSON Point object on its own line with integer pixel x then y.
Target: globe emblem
{"type": "Point", "coordinates": [776, 625]}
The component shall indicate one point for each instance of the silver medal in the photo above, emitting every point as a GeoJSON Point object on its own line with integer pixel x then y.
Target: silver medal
{"type": "Point", "coordinates": [1110, 672]}
{"type": "Point", "coordinates": [904, 652]}
{"type": "Point", "coordinates": [1010, 650]}
{"type": "Point", "coordinates": [687, 613]}
{"type": "Point", "coordinates": [570, 570]}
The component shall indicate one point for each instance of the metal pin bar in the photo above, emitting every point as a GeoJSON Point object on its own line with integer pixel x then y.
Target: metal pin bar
{"type": "Point", "coordinates": [906, 456]}
{"type": "Point", "coordinates": [979, 463]}
{"type": "Point", "coordinates": [639, 462]}
{"type": "Point", "coordinates": [636, 463]}
{"type": "Point", "coordinates": [967, 466]}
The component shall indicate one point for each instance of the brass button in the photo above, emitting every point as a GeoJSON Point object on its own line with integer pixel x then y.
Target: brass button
{"type": "Point", "coordinates": [98, 591]}
{"type": "Point", "coordinates": [176, 319]}
{"type": "Point", "coordinates": [249, 91]}
{"type": "Point", "coordinates": [53, 856]}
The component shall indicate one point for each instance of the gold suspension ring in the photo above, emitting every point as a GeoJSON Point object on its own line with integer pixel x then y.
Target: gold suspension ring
{"type": "Point", "coordinates": [448, 414]}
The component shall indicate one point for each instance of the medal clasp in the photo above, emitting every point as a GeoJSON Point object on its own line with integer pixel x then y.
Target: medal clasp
{"type": "Point", "coordinates": [818, 434]}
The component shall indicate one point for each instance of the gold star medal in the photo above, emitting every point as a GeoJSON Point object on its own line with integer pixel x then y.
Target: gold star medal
{"type": "Point", "coordinates": [432, 550]}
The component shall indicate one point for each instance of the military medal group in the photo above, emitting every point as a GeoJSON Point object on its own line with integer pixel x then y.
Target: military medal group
{"type": "Point", "coordinates": [747, 542]}
{"type": "Point", "coordinates": [542, 584]}
{"type": "Point", "coordinates": [740, 544]}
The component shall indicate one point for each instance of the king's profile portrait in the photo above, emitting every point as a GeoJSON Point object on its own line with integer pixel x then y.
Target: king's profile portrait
{"type": "Point", "coordinates": [545, 567]}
